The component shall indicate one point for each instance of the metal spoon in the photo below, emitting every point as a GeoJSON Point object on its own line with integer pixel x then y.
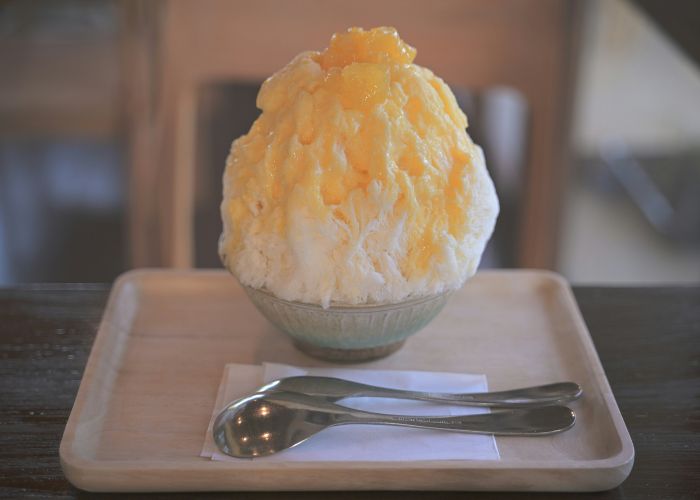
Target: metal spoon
{"type": "Point", "coordinates": [335, 389]}
{"type": "Point", "coordinates": [263, 424]}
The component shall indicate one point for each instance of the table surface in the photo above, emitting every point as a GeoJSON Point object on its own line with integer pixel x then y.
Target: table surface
{"type": "Point", "coordinates": [648, 340]}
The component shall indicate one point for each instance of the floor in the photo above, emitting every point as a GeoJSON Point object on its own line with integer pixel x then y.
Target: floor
{"type": "Point", "coordinates": [638, 91]}
{"type": "Point", "coordinates": [62, 206]}
{"type": "Point", "coordinates": [609, 241]}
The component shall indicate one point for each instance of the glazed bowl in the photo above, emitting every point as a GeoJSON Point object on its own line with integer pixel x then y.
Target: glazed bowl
{"type": "Point", "coordinates": [348, 333]}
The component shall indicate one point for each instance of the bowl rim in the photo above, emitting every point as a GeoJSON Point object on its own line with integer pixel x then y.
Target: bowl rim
{"type": "Point", "coordinates": [335, 307]}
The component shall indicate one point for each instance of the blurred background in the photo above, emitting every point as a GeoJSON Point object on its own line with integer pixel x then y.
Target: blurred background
{"type": "Point", "coordinates": [116, 118]}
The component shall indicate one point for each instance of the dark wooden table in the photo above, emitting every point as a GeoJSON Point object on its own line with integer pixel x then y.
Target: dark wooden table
{"type": "Point", "coordinates": [648, 340]}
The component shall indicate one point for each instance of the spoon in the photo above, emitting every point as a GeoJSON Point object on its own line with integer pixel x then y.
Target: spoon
{"type": "Point", "coordinates": [264, 424]}
{"type": "Point", "coordinates": [335, 389]}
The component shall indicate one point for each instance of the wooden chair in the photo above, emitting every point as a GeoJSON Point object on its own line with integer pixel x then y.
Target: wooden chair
{"type": "Point", "coordinates": [174, 47]}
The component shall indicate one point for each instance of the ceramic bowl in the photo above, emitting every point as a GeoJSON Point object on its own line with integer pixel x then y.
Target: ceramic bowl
{"type": "Point", "coordinates": [348, 333]}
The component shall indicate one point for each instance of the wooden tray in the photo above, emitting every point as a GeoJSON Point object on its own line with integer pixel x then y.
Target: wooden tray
{"type": "Point", "coordinates": [150, 384]}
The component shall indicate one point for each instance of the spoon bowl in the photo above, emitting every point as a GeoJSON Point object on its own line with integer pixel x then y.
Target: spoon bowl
{"type": "Point", "coordinates": [259, 425]}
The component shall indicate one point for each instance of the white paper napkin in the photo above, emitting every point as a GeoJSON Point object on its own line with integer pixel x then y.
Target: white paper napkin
{"type": "Point", "coordinates": [377, 443]}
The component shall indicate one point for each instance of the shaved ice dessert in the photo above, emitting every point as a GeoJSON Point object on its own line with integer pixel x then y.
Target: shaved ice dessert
{"type": "Point", "coordinates": [358, 183]}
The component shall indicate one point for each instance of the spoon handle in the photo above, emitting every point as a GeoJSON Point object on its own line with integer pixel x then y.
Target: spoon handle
{"type": "Point", "coordinates": [549, 394]}
{"type": "Point", "coordinates": [515, 422]}
{"type": "Point", "coordinates": [335, 389]}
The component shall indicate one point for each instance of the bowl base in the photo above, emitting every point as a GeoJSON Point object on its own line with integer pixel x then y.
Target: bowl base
{"type": "Point", "coordinates": [348, 355]}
